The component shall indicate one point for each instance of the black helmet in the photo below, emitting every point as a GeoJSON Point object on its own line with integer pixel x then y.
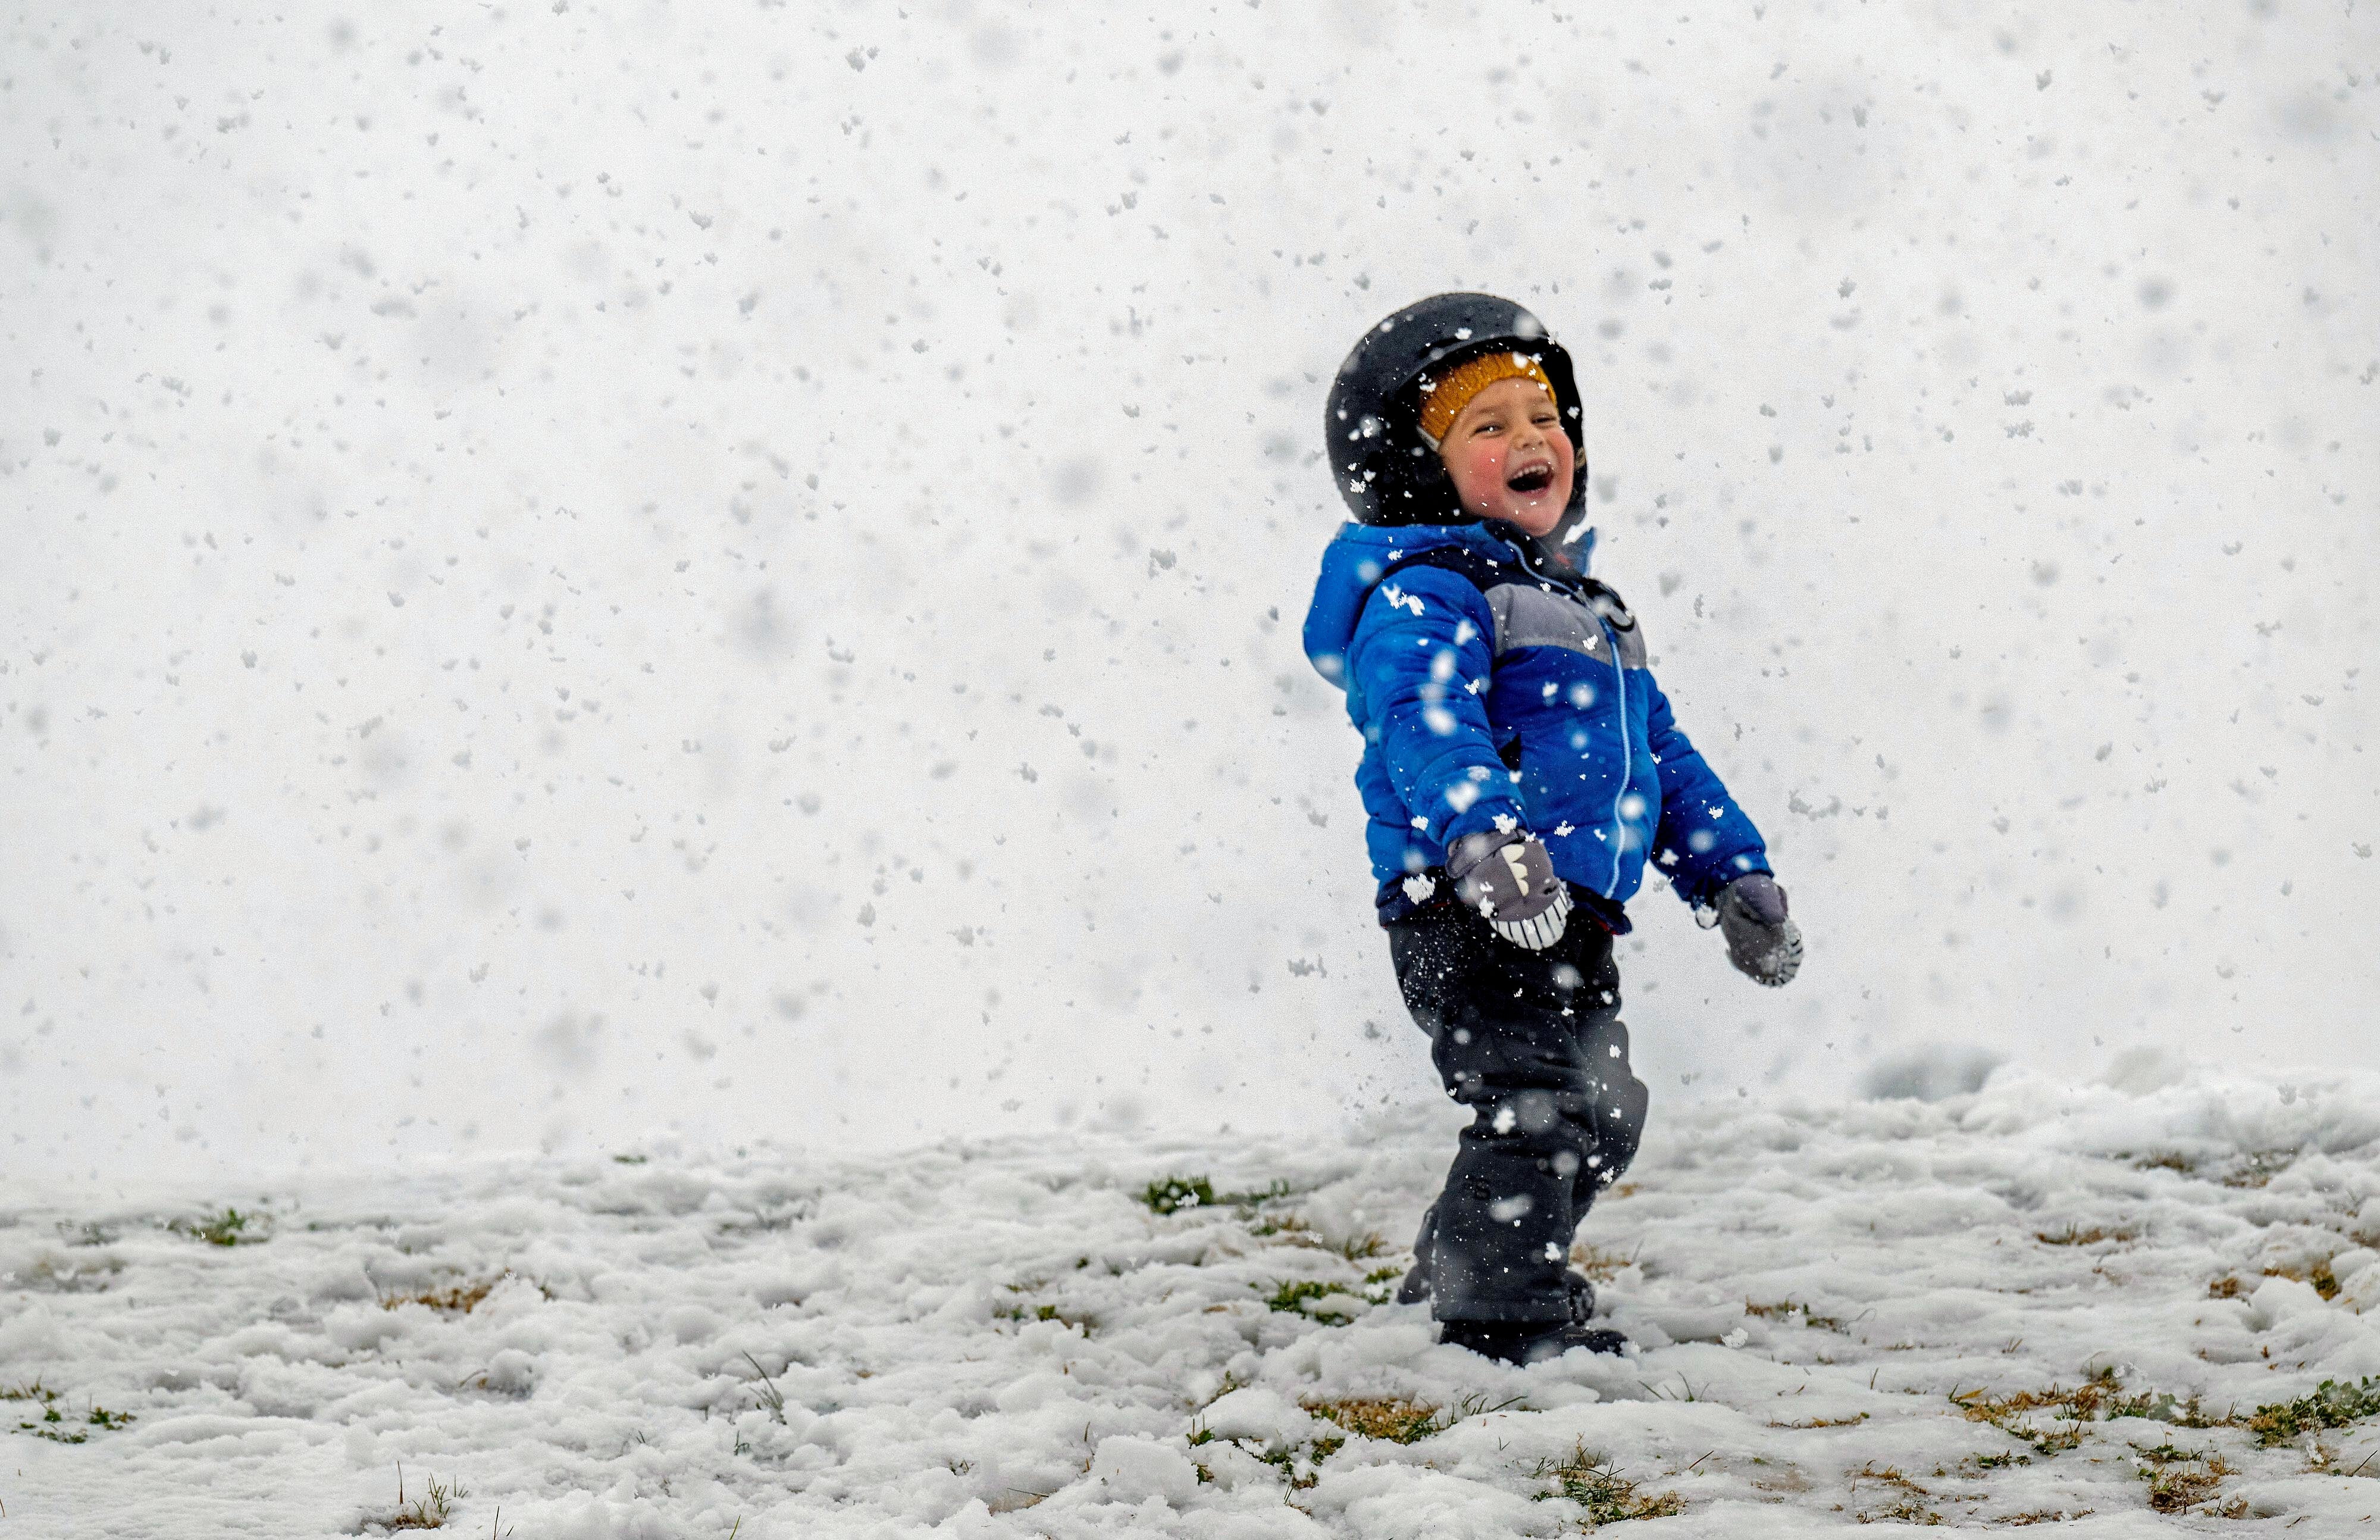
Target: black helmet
{"type": "Point", "coordinates": [1387, 471]}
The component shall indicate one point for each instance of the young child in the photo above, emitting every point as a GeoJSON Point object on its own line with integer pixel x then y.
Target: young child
{"type": "Point", "coordinates": [1520, 767]}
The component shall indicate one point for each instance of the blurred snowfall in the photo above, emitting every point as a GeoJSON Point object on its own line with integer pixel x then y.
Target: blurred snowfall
{"type": "Point", "coordinates": [576, 571]}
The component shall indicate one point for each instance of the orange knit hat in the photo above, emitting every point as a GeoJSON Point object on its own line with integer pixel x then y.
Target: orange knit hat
{"type": "Point", "coordinates": [1444, 396]}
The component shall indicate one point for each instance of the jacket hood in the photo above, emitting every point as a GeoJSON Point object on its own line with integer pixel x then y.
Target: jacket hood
{"type": "Point", "coordinates": [1355, 558]}
{"type": "Point", "coordinates": [1387, 473]}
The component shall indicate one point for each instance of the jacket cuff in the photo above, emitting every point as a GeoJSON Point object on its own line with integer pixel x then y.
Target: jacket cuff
{"type": "Point", "coordinates": [1483, 817]}
{"type": "Point", "coordinates": [1700, 884]}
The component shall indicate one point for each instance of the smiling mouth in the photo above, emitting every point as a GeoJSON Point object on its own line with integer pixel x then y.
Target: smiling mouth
{"type": "Point", "coordinates": [1531, 480]}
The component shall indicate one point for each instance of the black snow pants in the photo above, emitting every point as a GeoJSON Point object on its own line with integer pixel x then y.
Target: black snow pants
{"type": "Point", "coordinates": [1532, 1042]}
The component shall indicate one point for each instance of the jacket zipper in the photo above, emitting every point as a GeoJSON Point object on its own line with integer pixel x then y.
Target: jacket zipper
{"type": "Point", "coordinates": [1627, 762]}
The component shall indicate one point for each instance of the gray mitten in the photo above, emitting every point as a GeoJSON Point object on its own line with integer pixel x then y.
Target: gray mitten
{"type": "Point", "coordinates": [1510, 878]}
{"type": "Point", "coordinates": [1762, 944]}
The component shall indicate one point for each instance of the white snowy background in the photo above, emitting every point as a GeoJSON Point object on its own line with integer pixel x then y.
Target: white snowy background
{"type": "Point", "coordinates": [738, 568]}
{"type": "Point", "coordinates": [674, 580]}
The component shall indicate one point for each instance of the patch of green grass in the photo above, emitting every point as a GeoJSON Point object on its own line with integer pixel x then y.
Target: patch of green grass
{"type": "Point", "coordinates": [56, 1426]}
{"type": "Point", "coordinates": [2162, 1406]}
{"type": "Point", "coordinates": [2333, 1403]}
{"type": "Point", "coordinates": [230, 1228]}
{"type": "Point", "coordinates": [1297, 1463]}
{"type": "Point", "coordinates": [1085, 1323]}
{"type": "Point", "coordinates": [1291, 1296]}
{"type": "Point", "coordinates": [2167, 1453]}
{"type": "Point", "coordinates": [1301, 1468]}
{"type": "Point", "coordinates": [1591, 1480]}
{"type": "Point", "coordinates": [1170, 1194]}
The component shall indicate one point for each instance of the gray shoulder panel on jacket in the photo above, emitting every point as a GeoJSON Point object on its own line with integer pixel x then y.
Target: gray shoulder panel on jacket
{"type": "Point", "coordinates": [1527, 616]}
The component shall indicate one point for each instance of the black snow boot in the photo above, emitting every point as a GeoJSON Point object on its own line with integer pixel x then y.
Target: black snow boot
{"type": "Point", "coordinates": [1416, 1287]}
{"type": "Point", "coordinates": [1526, 1342]}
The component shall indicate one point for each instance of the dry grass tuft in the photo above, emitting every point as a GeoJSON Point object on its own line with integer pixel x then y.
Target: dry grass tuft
{"type": "Point", "coordinates": [1362, 1248]}
{"type": "Point", "coordinates": [2099, 1398]}
{"type": "Point", "coordinates": [2179, 1485]}
{"type": "Point", "coordinates": [1290, 1229]}
{"type": "Point", "coordinates": [2318, 1274]}
{"type": "Point", "coordinates": [1391, 1419]}
{"type": "Point", "coordinates": [1591, 1480]}
{"type": "Point", "coordinates": [1794, 1313]}
{"type": "Point", "coordinates": [1599, 1266]}
{"type": "Point", "coordinates": [456, 1299]}
{"type": "Point", "coordinates": [2253, 1168]}
{"type": "Point", "coordinates": [429, 1511]}
{"type": "Point", "coordinates": [2075, 1235]}
{"type": "Point", "coordinates": [2012, 1415]}
{"type": "Point", "coordinates": [1891, 1475]}
{"type": "Point", "coordinates": [2258, 1168]}
{"type": "Point", "coordinates": [1908, 1508]}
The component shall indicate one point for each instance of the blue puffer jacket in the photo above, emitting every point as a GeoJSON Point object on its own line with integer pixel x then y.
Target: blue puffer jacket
{"type": "Point", "coordinates": [1487, 692]}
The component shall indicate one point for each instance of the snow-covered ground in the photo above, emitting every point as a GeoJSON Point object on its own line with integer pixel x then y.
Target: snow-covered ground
{"type": "Point", "coordinates": [579, 569]}
{"type": "Point", "coordinates": [1842, 1311]}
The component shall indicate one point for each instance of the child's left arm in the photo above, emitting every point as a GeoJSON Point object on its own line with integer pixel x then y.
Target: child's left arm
{"type": "Point", "coordinates": [1716, 860]}
{"type": "Point", "coordinates": [1704, 841]}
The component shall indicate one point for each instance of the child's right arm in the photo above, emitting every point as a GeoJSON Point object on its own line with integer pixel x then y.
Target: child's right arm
{"type": "Point", "coordinates": [1422, 657]}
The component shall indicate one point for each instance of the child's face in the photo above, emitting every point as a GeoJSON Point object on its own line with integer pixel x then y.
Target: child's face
{"type": "Point", "coordinates": [1508, 456]}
